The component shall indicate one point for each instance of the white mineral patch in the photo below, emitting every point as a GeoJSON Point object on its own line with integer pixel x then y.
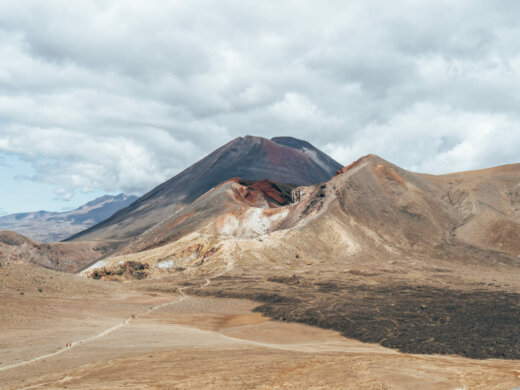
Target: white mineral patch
{"type": "Point", "coordinates": [98, 264]}
{"type": "Point", "coordinates": [258, 223]}
{"type": "Point", "coordinates": [165, 264]}
{"type": "Point", "coordinates": [253, 223]}
{"type": "Point", "coordinates": [230, 226]}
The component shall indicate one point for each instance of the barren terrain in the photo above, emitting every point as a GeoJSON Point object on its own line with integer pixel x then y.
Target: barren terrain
{"type": "Point", "coordinates": [378, 253]}
{"type": "Point", "coordinates": [379, 278]}
{"type": "Point", "coordinates": [125, 336]}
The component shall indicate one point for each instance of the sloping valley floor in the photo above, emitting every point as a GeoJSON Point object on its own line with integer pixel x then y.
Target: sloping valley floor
{"type": "Point", "coordinates": [143, 335]}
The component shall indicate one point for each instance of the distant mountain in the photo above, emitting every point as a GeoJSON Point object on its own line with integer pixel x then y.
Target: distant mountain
{"type": "Point", "coordinates": [281, 160]}
{"type": "Point", "coordinates": [45, 226]}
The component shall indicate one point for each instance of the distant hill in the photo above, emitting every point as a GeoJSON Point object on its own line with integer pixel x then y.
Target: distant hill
{"type": "Point", "coordinates": [46, 226]}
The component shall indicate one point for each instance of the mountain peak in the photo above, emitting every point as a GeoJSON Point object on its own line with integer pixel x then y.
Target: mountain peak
{"type": "Point", "coordinates": [281, 160]}
{"type": "Point", "coordinates": [292, 142]}
{"type": "Point", "coordinates": [369, 158]}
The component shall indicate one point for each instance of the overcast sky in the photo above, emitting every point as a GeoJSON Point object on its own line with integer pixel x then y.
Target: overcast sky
{"type": "Point", "coordinates": [109, 96]}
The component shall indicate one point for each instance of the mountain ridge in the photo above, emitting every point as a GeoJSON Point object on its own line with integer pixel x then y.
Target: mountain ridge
{"type": "Point", "coordinates": [377, 207]}
{"type": "Point", "coordinates": [48, 226]}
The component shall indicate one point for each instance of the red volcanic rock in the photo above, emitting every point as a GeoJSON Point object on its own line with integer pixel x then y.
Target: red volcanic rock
{"type": "Point", "coordinates": [265, 190]}
{"type": "Point", "coordinates": [258, 193]}
{"type": "Point", "coordinates": [389, 174]}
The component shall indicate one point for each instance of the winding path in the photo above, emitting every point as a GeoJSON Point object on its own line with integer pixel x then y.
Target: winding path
{"type": "Point", "coordinates": [301, 347]}
{"type": "Point", "coordinates": [102, 334]}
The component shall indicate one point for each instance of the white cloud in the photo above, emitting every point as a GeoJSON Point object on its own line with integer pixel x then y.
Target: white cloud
{"type": "Point", "coordinates": [122, 95]}
{"type": "Point", "coordinates": [437, 139]}
{"type": "Point", "coordinates": [297, 109]}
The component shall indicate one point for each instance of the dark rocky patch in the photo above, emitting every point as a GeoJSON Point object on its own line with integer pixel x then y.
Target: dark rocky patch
{"type": "Point", "coordinates": [129, 269]}
{"type": "Point", "coordinates": [415, 319]}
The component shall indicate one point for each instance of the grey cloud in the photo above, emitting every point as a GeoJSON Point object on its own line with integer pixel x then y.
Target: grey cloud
{"type": "Point", "coordinates": [121, 96]}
